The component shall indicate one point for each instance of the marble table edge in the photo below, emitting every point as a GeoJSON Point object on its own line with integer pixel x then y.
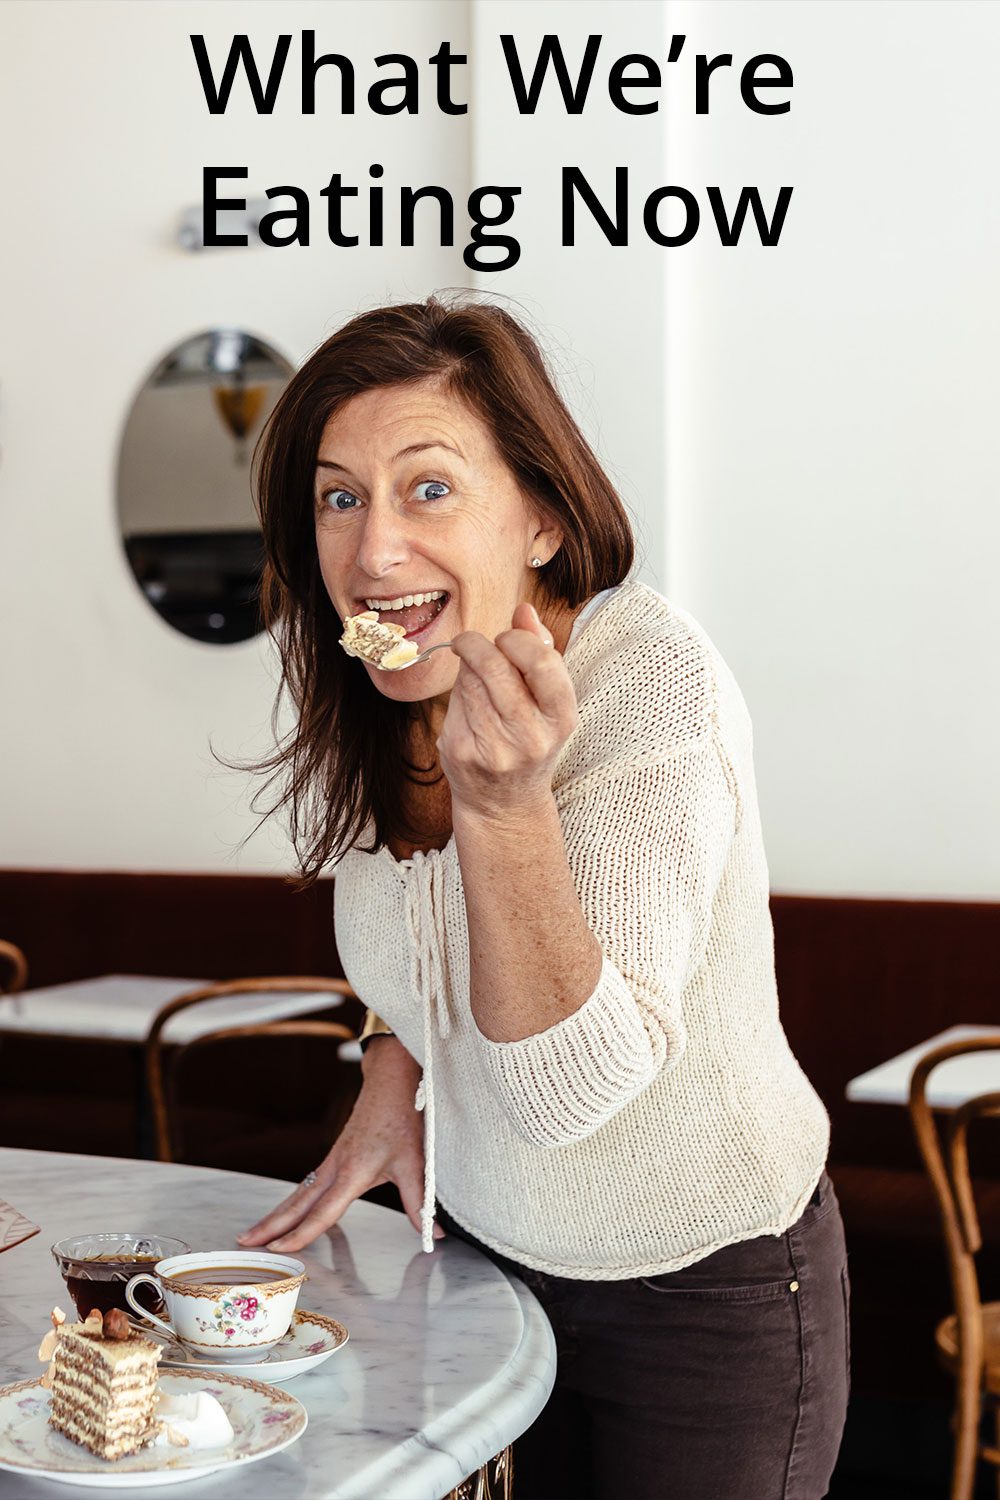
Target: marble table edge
{"type": "Point", "coordinates": [445, 1452]}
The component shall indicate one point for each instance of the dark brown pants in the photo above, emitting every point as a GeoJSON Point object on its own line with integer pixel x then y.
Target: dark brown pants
{"type": "Point", "coordinates": [725, 1381]}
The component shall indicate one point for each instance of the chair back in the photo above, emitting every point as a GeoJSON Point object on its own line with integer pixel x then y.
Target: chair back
{"type": "Point", "coordinates": [13, 968]}
{"type": "Point", "coordinates": [946, 1157]}
{"type": "Point", "coordinates": [161, 1072]}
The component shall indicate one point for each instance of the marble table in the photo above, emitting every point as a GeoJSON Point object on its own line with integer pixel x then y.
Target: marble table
{"type": "Point", "coordinates": [949, 1086]}
{"type": "Point", "coordinates": [121, 1008]}
{"type": "Point", "coordinates": [448, 1361]}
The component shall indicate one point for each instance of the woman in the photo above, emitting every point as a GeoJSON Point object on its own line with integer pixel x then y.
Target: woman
{"type": "Point", "coordinates": [551, 888]}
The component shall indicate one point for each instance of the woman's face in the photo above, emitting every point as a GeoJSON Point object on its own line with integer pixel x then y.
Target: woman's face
{"type": "Point", "coordinates": [413, 499]}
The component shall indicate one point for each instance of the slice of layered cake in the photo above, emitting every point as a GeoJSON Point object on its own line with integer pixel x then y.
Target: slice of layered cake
{"type": "Point", "coordinates": [102, 1383]}
{"type": "Point", "coordinates": [382, 644]}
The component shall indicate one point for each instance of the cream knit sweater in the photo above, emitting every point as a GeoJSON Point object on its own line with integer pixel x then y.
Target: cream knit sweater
{"type": "Point", "coordinates": [667, 1117]}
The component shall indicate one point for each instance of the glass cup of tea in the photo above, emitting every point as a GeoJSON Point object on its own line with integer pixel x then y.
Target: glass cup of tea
{"type": "Point", "coordinates": [98, 1267]}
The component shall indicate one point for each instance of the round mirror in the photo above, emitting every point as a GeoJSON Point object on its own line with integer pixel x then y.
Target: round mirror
{"type": "Point", "coordinates": [187, 519]}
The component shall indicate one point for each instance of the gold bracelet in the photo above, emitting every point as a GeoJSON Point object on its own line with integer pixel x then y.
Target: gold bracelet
{"type": "Point", "coordinates": [374, 1026]}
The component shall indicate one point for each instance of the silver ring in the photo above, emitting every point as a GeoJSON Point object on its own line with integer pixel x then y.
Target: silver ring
{"type": "Point", "coordinates": [309, 1180]}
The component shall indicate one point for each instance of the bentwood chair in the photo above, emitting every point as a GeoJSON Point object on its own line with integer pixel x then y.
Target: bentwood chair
{"type": "Point", "coordinates": [968, 1341]}
{"type": "Point", "coordinates": [13, 968]}
{"type": "Point", "coordinates": [164, 1060]}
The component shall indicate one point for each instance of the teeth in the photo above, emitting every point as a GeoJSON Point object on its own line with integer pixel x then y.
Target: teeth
{"type": "Point", "coordinates": [405, 600]}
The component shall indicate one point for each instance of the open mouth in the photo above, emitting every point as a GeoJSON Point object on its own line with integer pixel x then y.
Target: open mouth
{"type": "Point", "coordinates": [414, 618]}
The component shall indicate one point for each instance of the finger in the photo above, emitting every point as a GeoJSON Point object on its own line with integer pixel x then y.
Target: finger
{"type": "Point", "coordinates": [482, 716]}
{"type": "Point", "coordinates": [543, 672]}
{"type": "Point", "coordinates": [323, 1215]}
{"type": "Point", "coordinates": [483, 738]}
{"type": "Point", "coordinates": [526, 617]}
{"type": "Point", "coordinates": [496, 676]}
{"type": "Point", "coordinates": [288, 1212]}
{"type": "Point", "coordinates": [412, 1197]}
{"type": "Point", "coordinates": [474, 733]}
{"type": "Point", "coordinates": [456, 729]}
{"type": "Point", "coordinates": [412, 1200]}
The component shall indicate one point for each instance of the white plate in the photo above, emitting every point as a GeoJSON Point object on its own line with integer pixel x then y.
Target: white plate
{"type": "Point", "coordinates": [264, 1419]}
{"type": "Point", "coordinates": [311, 1339]}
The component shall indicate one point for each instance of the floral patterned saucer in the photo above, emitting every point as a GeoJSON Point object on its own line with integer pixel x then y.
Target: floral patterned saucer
{"type": "Point", "coordinates": [264, 1421]}
{"type": "Point", "coordinates": [311, 1339]}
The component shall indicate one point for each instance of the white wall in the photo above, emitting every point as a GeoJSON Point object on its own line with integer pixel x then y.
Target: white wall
{"type": "Point", "coordinates": [832, 436]}
{"type": "Point", "coordinates": [804, 434]}
{"type": "Point", "coordinates": [108, 712]}
{"type": "Point", "coordinates": [597, 308]}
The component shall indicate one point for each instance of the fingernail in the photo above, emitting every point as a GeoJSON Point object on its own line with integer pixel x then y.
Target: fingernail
{"type": "Point", "coordinates": [241, 1239]}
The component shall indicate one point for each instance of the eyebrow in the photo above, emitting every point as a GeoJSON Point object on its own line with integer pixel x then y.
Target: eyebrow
{"type": "Point", "coordinates": [324, 463]}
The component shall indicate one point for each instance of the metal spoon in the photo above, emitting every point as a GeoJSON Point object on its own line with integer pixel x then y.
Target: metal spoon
{"type": "Point", "coordinates": [439, 646]}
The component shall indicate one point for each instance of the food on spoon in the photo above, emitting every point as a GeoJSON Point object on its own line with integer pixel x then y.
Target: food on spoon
{"type": "Point", "coordinates": [103, 1383]}
{"type": "Point", "coordinates": [381, 644]}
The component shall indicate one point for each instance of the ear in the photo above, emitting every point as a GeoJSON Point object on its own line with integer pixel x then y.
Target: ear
{"type": "Point", "coordinates": [547, 540]}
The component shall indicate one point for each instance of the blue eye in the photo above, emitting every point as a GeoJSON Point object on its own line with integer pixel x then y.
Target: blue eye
{"type": "Point", "coordinates": [436, 489]}
{"type": "Point", "coordinates": [342, 499]}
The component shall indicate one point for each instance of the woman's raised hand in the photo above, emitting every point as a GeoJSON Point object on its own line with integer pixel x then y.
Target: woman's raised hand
{"type": "Point", "coordinates": [381, 1142]}
{"type": "Point", "coordinates": [510, 712]}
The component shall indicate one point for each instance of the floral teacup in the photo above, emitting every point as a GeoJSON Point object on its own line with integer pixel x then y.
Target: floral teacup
{"type": "Point", "coordinates": [224, 1304]}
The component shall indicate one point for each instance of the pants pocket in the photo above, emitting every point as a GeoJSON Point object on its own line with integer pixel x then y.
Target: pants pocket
{"type": "Point", "coordinates": [764, 1291]}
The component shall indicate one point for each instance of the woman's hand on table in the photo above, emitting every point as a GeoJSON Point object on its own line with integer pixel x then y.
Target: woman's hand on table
{"type": "Point", "coordinates": [381, 1142]}
{"type": "Point", "coordinates": [512, 709]}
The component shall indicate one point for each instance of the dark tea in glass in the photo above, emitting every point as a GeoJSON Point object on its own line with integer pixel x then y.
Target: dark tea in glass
{"type": "Point", "coordinates": [98, 1267]}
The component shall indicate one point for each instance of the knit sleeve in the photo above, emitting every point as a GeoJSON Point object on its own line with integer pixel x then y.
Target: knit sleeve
{"type": "Point", "coordinates": [647, 849]}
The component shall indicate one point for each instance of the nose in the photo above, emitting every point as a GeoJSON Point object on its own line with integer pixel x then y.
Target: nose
{"type": "Point", "coordinates": [384, 543]}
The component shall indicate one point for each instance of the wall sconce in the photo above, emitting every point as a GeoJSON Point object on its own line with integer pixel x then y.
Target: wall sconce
{"type": "Point", "coordinates": [190, 231]}
{"type": "Point", "coordinates": [238, 404]}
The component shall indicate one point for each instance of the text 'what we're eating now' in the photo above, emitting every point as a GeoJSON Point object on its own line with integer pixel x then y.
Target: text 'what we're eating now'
{"type": "Point", "coordinates": [669, 214]}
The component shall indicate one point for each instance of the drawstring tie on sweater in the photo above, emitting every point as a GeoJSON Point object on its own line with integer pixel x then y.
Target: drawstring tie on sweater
{"type": "Point", "coordinates": [425, 913]}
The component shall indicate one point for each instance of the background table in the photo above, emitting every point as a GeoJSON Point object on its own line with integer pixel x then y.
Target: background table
{"type": "Point", "coordinates": [448, 1361]}
{"type": "Point", "coordinates": [121, 1008]}
{"type": "Point", "coordinates": [950, 1084]}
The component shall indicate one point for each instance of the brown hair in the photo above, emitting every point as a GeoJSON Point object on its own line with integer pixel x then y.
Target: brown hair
{"type": "Point", "coordinates": [345, 764]}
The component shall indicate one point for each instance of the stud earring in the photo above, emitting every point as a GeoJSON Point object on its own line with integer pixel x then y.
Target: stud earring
{"type": "Point", "coordinates": [536, 562]}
